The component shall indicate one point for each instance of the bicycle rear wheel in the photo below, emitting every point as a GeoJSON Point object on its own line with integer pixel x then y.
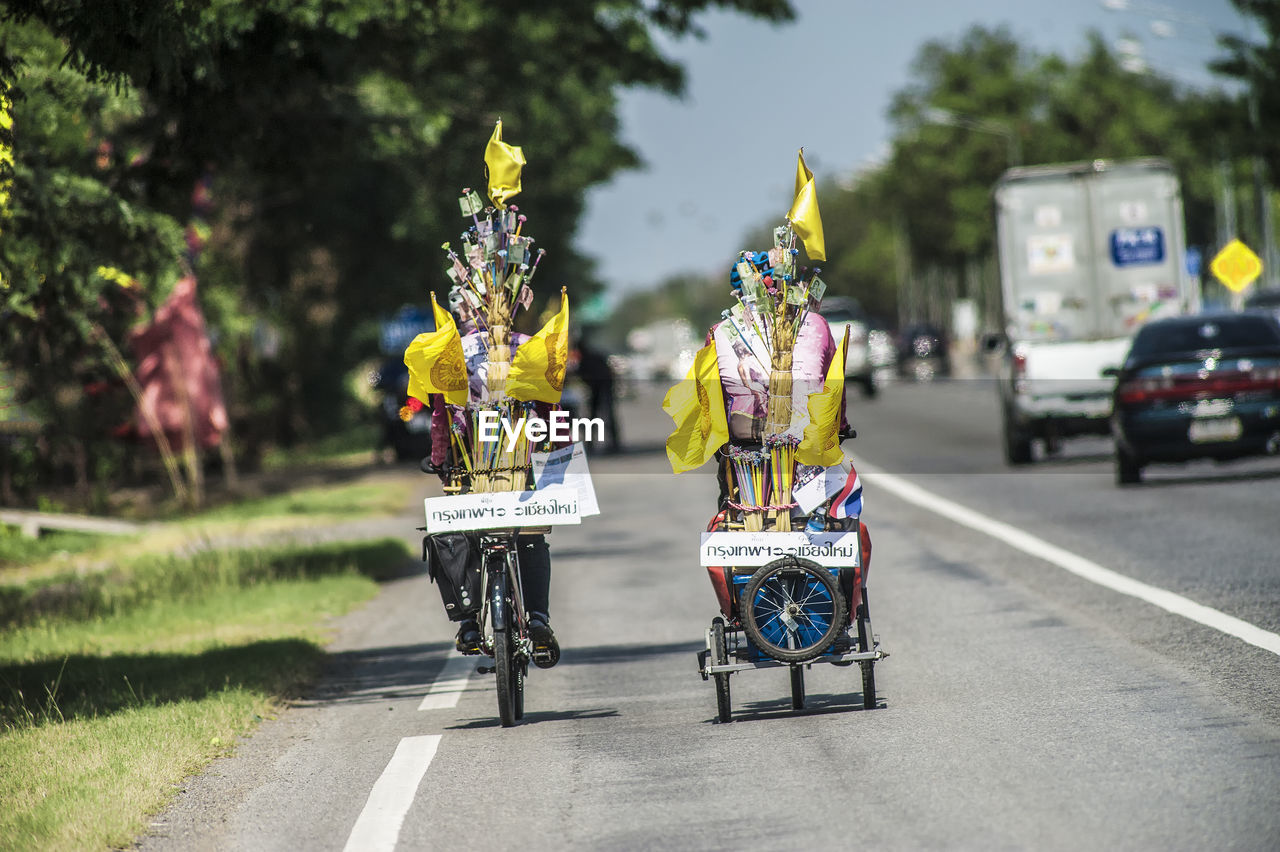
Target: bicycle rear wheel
{"type": "Point", "coordinates": [506, 666]}
{"type": "Point", "coordinates": [510, 678]}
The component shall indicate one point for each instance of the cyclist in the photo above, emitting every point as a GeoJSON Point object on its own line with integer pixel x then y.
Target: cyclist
{"type": "Point", "coordinates": [534, 556]}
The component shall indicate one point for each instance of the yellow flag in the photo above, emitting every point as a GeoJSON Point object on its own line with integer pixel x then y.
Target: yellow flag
{"type": "Point", "coordinates": [804, 212]}
{"type": "Point", "coordinates": [6, 152]}
{"type": "Point", "coordinates": [697, 407]}
{"type": "Point", "coordinates": [537, 371]}
{"type": "Point", "coordinates": [435, 361]}
{"type": "Point", "coordinates": [503, 163]}
{"type": "Point", "coordinates": [821, 442]}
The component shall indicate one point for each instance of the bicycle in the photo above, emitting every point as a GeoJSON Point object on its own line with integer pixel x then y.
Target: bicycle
{"type": "Point", "coordinates": [503, 618]}
{"type": "Point", "coordinates": [504, 624]}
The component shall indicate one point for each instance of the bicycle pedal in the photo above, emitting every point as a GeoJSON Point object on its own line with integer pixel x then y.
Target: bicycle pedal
{"type": "Point", "coordinates": [545, 658]}
{"type": "Point", "coordinates": [486, 669]}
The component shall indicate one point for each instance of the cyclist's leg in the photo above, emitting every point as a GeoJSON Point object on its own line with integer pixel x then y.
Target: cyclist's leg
{"type": "Point", "coordinates": [535, 574]}
{"type": "Point", "coordinates": [535, 579]}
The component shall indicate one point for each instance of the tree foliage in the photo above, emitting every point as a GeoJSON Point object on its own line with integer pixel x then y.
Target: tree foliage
{"type": "Point", "coordinates": [336, 135]}
{"type": "Point", "coordinates": [912, 233]}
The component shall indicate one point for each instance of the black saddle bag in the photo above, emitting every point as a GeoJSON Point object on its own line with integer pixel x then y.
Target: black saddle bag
{"type": "Point", "coordinates": [453, 564]}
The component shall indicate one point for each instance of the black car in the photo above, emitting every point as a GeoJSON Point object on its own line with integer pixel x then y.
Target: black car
{"type": "Point", "coordinates": [1195, 387]}
{"type": "Point", "coordinates": [1267, 299]}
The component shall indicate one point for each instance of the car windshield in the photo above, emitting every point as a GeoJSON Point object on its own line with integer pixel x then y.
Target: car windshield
{"type": "Point", "coordinates": [1235, 332]}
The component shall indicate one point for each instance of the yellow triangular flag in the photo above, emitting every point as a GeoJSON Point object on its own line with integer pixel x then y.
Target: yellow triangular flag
{"type": "Point", "coordinates": [537, 371]}
{"type": "Point", "coordinates": [804, 212]}
{"type": "Point", "coordinates": [821, 442]}
{"type": "Point", "coordinates": [503, 162]}
{"type": "Point", "coordinates": [435, 361]}
{"type": "Point", "coordinates": [697, 407]}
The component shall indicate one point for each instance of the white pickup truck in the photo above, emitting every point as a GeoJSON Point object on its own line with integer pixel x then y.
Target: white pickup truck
{"type": "Point", "coordinates": [1089, 252]}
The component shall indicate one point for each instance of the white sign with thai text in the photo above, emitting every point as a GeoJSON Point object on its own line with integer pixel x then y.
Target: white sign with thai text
{"type": "Point", "coordinates": [567, 466]}
{"type": "Point", "coordinates": [503, 510]}
{"type": "Point", "coordinates": [749, 549]}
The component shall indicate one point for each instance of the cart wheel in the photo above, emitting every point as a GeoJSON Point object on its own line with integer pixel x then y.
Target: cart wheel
{"type": "Point", "coordinates": [868, 684]}
{"type": "Point", "coordinates": [792, 609]}
{"type": "Point", "coordinates": [720, 657]}
{"type": "Point", "coordinates": [797, 687]}
{"type": "Point", "coordinates": [865, 642]}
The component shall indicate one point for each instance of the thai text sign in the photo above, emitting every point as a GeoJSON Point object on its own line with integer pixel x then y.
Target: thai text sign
{"type": "Point", "coordinates": [503, 510]}
{"type": "Point", "coordinates": [749, 549]}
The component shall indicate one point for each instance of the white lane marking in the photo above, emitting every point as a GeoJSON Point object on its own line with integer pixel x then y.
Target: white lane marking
{"type": "Point", "coordinates": [1077, 565]}
{"type": "Point", "coordinates": [378, 826]}
{"type": "Point", "coordinates": [449, 684]}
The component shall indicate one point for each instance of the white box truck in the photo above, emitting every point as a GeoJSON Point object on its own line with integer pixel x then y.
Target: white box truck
{"type": "Point", "coordinates": [1088, 253]}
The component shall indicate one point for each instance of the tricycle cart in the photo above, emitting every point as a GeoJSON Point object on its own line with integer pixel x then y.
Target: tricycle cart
{"type": "Point", "coordinates": [791, 611]}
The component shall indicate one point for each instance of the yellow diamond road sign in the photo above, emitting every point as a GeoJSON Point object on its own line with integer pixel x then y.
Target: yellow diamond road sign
{"type": "Point", "coordinates": [1236, 266]}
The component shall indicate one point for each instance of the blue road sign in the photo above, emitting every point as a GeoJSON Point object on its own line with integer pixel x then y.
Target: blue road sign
{"type": "Point", "coordinates": [1137, 246]}
{"type": "Point", "coordinates": [1193, 260]}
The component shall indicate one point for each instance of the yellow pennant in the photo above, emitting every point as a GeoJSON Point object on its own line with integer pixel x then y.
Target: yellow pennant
{"type": "Point", "coordinates": [537, 370]}
{"type": "Point", "coordinates": [804, 212]}
{"type": "Point", "coordinates": [435, 361]}
{"type": "Point", "coordinates": [697, 406]}
{"type": "Point", "coordinates": [821, 442]}
{"type": "Point", "coordinates": [503, 162]}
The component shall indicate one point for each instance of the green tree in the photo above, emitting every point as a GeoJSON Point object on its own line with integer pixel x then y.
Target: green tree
{"type": "Point", "coordinates": [71, 239]}
{"type": "Point", "coordinates": [337, 134]}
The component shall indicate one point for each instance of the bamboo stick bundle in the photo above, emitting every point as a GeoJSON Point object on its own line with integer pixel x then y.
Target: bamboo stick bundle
{"type": "Point", "coordinates": [782, 468]}
{"type": "Point", "coordinates": [752, 486]}
{"type": "Point", "coordinates": [492, 275]}
{"type": "Point", "coordinates": [774, 297]}
{"type": "Point", "coordinates": [482, 452]}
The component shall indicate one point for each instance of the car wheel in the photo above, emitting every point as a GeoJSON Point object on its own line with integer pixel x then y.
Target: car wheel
{"type": "Point", "coordinates": [1017, 443]}
{"type": "Point", "coordinates": [1128, 471]}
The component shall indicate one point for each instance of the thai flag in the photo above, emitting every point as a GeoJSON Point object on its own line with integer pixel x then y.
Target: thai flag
{"type": "Point", "coordinates": [848, 500]}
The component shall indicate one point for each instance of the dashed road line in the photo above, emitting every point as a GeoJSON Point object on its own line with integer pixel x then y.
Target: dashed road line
{"type": "Point", "coordinates": [1065, 559]}
{"type": "Point", "coordinates": [449, 684]}
{"type": "Point", "coordinates": [378, 827]}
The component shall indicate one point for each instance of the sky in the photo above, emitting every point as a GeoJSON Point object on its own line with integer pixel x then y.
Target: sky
{"type": "Point", "coordinates": [721, 161]}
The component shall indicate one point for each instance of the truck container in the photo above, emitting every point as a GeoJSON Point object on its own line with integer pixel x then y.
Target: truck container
{"type": "Point", "coordinates": [1088, 253]}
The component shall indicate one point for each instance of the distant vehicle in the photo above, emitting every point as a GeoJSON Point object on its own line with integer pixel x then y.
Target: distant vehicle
{"type": "Point", "coordinates": [840, 313]}
{"type": "Point", "coordinates": [409, 440]}
{"type": "Point", "coordinates": [1089, 252]}
{"type": "Point", "coordinates": [663, 350]}
{"type": "Point", "coordinates": [881, 348]}
{"type": "Point", "coordinates": [1204, 386]}
{"type": "Point", "coordinates": [923, 352]}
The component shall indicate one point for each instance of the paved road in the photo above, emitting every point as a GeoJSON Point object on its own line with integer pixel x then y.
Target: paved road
{"type": "Point", "coordinates": [1023, 706]}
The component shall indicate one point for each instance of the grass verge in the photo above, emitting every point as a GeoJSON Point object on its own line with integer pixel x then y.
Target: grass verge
{"type": "Point", "coordinates": [323, 505]}
{"type": "Point", "coordinates": [113, 695]}
{"type": "Point", "coordinates": [18, 549]}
